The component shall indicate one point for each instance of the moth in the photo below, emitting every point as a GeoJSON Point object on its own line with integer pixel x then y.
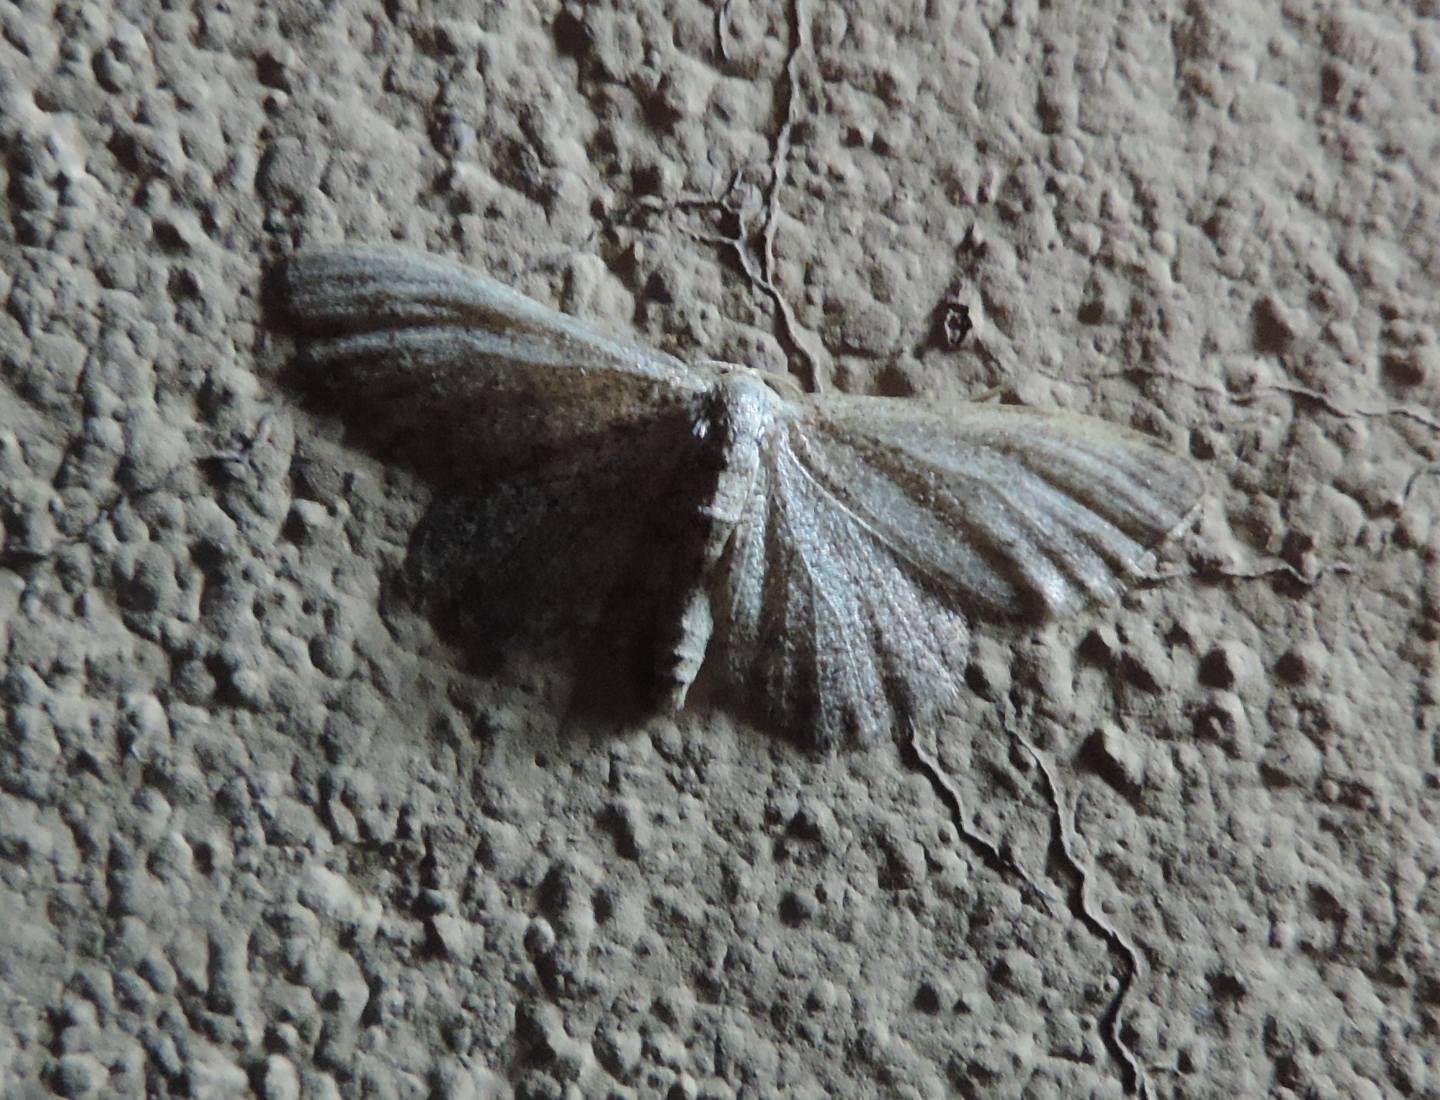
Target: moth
{"type": "Point", "coordinates": [836, 549]}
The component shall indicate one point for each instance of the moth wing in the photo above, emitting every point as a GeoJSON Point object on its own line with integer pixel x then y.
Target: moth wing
{"type": "Point", "coordinates": [878, 528]}
{"type": "Point", "coordinates": [1012, 512]}
{"type": "Point", "coordinates": [430, 341]}
{"type": "Point", "coordinates": [819, 623]}
{"type": "Point", "coordinates": [348, 291]}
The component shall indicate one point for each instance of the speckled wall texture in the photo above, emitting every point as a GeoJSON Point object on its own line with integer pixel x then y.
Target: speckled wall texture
{"type": "Point", "coordinates": [270, 824]}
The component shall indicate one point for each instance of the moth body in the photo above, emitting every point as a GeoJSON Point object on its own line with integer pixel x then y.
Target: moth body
{"type": "Point", "coordinates": [737, 416]}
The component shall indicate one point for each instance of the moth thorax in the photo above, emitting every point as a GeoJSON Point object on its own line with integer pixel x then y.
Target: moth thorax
{"type": "Point", "coordinates": [741, 408]}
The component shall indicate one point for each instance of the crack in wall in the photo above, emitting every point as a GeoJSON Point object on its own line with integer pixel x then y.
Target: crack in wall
{"type": "Point", "coordinates": [988, 851]}
{"type": "Point", "coordinates": [1133, 1073]}
{"type": "Point", "coordinates": [1078, 904]}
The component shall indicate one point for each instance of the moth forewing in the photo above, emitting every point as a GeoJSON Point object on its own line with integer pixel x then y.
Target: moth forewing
{"type": "Point", "coordinates": [1023, 494]}
{"type": "Point", "coordinates": [457, 362]}
{"type": "Point", "coordinates": [349, 289]}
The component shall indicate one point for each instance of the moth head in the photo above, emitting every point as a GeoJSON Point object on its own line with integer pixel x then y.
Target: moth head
{"type": "Point", "coordinates": [740, 406]}
{"type": "Point", "coordinates": [784, 384]}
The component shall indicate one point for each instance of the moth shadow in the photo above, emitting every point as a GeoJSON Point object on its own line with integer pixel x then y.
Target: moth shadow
{"type": "Point", "coordinates": [556, 551]}
{"type": "Point", "coordinates": [564, 564]}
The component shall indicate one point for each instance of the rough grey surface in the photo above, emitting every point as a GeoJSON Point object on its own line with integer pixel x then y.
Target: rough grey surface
{"type": "Point", "coordinates": [262, 830]}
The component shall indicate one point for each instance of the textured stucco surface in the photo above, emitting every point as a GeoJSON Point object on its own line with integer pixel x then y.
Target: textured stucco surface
{"type": "Point", "coordinates": [264, 831]}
